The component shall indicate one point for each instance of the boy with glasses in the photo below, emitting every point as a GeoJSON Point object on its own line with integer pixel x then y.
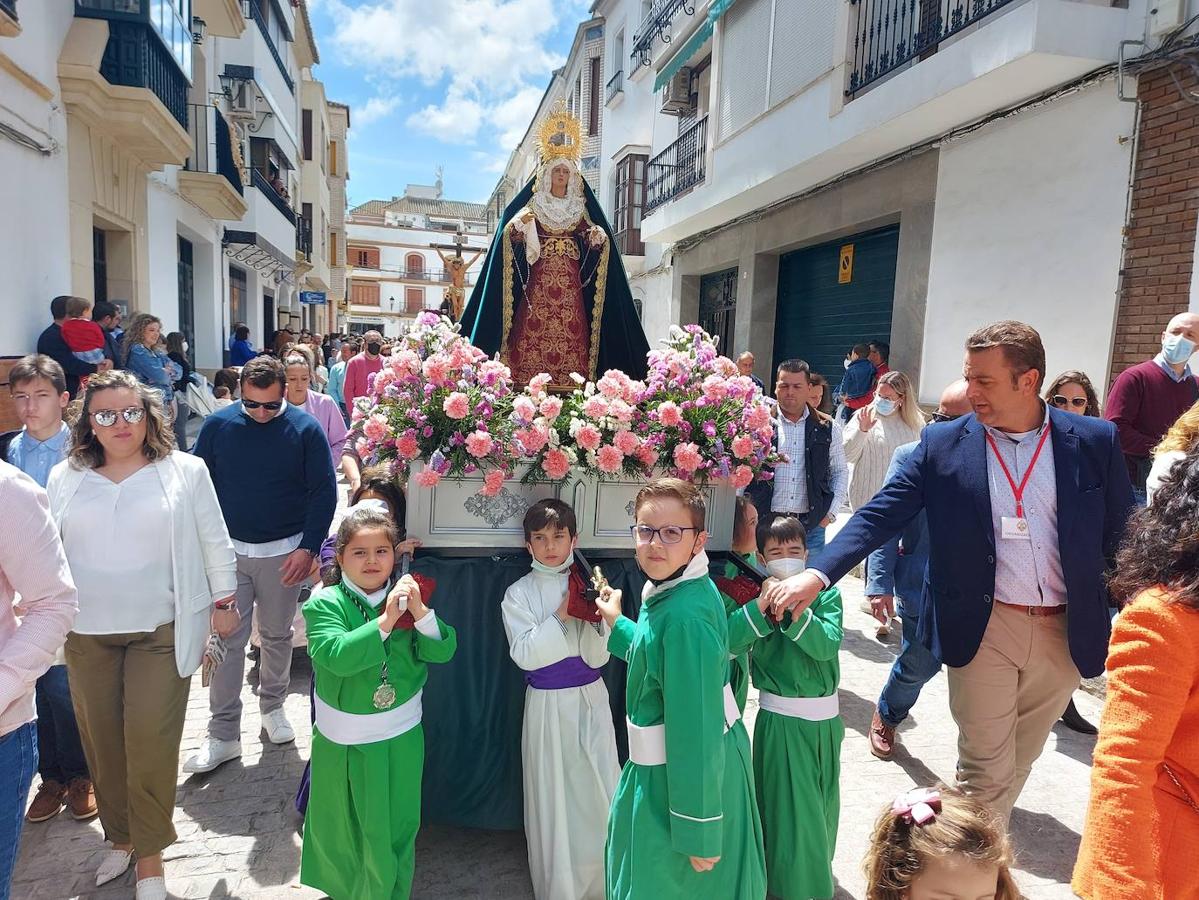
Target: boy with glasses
{"type": "Point", "coordinates": [39, 392]}
{"type": "Point", "coordinates": [683, 823]}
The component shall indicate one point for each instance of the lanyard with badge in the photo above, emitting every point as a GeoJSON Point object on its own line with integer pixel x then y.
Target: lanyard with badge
{"type": "Point", "coordinates": [1016, 528]}
{"type": "Point", "coordinates": [385, 694]}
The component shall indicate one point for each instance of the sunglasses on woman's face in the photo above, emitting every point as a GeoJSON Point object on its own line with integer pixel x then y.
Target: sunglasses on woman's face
{"type": "Point", "coordinates": [1063, 402]}
{"type": "Point", "coordinates": [271, 405]}
{"type": "Point", "coordinates": [106, 418]}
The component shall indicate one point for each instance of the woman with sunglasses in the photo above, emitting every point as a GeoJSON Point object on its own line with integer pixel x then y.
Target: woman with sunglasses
{"type": "Point", "coordinates": [1073, 392]}
{"type": "Point", "coordinates": [155, 571]}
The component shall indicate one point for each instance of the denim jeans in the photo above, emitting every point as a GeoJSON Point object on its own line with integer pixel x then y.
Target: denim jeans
{"type": "Point", "coordinates": [815, 539]}
{"type": "Point", "coordinates": [913, 669]}
{"type": "Point", "coordinates": [18, 760]}
{"type": "Point", "coordinates": [60, 751]}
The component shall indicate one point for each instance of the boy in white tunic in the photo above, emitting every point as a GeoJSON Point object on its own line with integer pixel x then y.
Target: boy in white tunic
{"type": "Point", "coordinates": [568, 742]}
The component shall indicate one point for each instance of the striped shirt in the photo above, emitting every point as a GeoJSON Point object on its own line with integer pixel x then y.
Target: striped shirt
{"type": "Point", "coordinates": [791, 477]}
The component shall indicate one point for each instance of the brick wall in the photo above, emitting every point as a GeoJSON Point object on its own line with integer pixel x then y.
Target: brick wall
{"type": "Point", "coordinates": [1165, 205]}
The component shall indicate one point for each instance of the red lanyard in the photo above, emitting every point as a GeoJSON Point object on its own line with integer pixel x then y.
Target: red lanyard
{"type": "Point", "coordinates": [1018, 492]}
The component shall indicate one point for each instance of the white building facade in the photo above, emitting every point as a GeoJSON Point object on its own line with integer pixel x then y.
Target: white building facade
{"type": "Point", "coordinates": [397, 254]}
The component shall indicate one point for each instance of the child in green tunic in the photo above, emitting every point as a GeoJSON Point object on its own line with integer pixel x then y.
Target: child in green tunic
{"type": "Point", "coordinates": [370, 641]}
{"type": "Point", "coordinates": [683, 823]}
{"type": "Point", "coordinates": [745, 542]}
{"type": "Point", "coordinates": [798, 732]}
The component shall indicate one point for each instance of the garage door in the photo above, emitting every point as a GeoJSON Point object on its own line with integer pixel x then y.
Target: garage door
{"type": "Point", "coordinates": [823, 311]}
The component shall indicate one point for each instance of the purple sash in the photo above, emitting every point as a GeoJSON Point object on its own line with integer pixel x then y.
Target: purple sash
{"type": "Point", "coordinates": [566, 673]}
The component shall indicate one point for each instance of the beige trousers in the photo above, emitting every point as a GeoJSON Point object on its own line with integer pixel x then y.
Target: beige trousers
{"type": "Point", "coordinates": [1006, 700]}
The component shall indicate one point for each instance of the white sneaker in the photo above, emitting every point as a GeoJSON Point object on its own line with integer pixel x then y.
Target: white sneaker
{"type": "Point", "coordinates": [214, 753]}
{"type": "Point", "coordinates": [151, 888]}
{"type": "Point", "coordinates": [114, 864]}
{"type": "Point", "coordinates": [278, 729]}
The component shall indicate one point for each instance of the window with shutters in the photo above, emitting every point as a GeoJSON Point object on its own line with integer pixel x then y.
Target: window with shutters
{"type": "Point", "coordinates": [365, 257]}
{"type": "Point", "coordinates": [414, 265]}
{"type": "Point", "coordinates": [593, 97]}
{"type": "Point", "coordinates": [629, 203]}
{"type": "Point", "coordinates": [306, 125]}
{"type": "Point", "coordinates": [333, 165]}
{"type": "Point", "coordinates": [334, 250]}
{"type": "Point", "coordinates": [364, 294]}
{"type": "Point", "coordinates": [414, 299]}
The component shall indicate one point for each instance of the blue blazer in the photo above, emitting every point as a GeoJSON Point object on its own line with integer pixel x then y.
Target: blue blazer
{"type": "Point", "coordinates": [946, 476]}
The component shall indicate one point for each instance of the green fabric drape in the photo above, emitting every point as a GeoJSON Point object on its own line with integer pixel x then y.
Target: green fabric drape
{"type": "Point", "coordinates": [697, 40]}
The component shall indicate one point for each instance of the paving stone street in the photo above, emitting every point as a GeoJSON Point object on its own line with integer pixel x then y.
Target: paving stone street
{"type": "Point", "coordinates": [238, 833]}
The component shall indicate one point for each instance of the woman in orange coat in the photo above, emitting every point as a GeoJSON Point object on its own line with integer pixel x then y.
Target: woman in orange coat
{"type": "Point", "coordinates": [1142, 833]}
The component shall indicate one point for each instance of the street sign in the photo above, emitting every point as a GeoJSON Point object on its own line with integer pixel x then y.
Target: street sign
{"type": "Point", "coordinates": [313, 298]}
{"type": "Point", "coordinates": [845, 268]}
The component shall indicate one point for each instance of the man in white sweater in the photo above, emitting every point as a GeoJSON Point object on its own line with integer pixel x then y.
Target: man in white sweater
{"type": "Point", "coordinates": [34, 578]}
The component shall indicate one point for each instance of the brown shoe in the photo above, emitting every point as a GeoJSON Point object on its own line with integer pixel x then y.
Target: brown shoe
{"type": "Point", "coordinates": [882, 738]}
{"type": "Point", "coordinates": [47, 803]}
{"type": "Point", "coordinates": [81, 797]}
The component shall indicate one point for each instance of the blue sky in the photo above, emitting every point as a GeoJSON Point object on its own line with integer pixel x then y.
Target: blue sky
{"type": "Point", "coordinates": [438, 82]}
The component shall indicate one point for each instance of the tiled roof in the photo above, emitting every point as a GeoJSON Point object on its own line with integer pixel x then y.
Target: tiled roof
{"type": "Point", "coordinates": [452, 208]}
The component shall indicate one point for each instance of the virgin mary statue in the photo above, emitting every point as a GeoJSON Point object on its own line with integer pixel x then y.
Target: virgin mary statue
{"type": "Point", "coordinates": [553, 296]}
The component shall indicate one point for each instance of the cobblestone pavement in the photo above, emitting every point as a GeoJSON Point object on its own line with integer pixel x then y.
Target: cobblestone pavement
{"type": "Point", "coordinates": [238, 832]}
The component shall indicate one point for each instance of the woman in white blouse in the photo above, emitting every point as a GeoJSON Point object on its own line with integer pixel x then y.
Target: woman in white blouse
{"type": "Point", "coordinates": [154, 568]}
{"type": "Point", "coordinates": [872, 434]}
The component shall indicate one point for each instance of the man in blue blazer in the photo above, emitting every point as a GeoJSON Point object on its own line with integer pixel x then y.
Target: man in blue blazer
{"type": "Point", "coordinates": [1025, 507]}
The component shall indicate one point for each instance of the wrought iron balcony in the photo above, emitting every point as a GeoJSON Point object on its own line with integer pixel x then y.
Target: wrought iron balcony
{"type": "Point", "coordinates": [212, 146]}
{"type": "Point", "coordinates": [615, 85]}
{"type": "Point", "coordinates": [656, 24]}
{"type": "Point", "coordinates": [678, 168]}
{"type": "Point", "coordinates": [277, 199]}
{"type": "Point", "coordinates": [252, 10]}
{"type": "Point", "coordinates": [887, 34]}
{"type": "Point", "coordinates": [304, 238]}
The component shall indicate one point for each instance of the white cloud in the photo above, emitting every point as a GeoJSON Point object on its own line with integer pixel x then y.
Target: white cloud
{"type": "Point", "coordinates": [373, 110]}
{"type": "Point", "coordinates": [454, 121]}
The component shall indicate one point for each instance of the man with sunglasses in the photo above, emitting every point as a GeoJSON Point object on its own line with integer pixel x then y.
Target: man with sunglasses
{"type": "Point", "coordinates": [274, 479]}
{"type": "Point", "coordinates": [896, 570]}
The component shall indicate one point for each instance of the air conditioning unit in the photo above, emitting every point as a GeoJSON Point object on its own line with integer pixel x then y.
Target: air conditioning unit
{"type": "Point", "coordinates": [676, 93]}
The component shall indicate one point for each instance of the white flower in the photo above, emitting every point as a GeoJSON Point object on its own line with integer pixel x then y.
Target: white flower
{"type": "Point", "coordinates": [577, 378]}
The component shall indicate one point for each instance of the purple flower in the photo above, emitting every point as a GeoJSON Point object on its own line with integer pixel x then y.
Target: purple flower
{"type": "Point", "coordinates": [709, 429]}
{"type": "Point", "coordinates": [457, 439]}
{"type": "Point", "coordinates": [427, 431]}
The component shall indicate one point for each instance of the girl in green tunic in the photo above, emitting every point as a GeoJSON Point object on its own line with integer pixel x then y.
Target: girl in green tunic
{"type": "Point", "coordinates": [683, 823]}
{"type": "Point", "coordinates": [798, 732]}
{"type": "Point", "coordinates": [745, 525]}
{"type": "Point", "coordinates": [369, 642]}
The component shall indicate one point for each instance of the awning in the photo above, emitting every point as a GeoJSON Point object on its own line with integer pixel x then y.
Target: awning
{"type": "Point", "coordinates": [717, 9]}
{"type": "Point", "coordinates": [253, 251]}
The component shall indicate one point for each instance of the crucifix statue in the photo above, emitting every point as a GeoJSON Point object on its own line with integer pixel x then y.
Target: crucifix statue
{"type": "Point", "coordinates": [455, 268]}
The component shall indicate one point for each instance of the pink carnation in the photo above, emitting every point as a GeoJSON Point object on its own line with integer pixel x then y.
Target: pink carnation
{"type": "Point", "coordinates": [758, 417]}
{"type": "Point", "coordinates": [533, 439]}
{"type": "Point", "coordinates": [626, 442]}
{"type": "Point", "coordinates": [375, 428]}
{"type": "Point", "coordinates": [647, 455]}
{"type": "Point", "coordinates": [538, 383]}
{"type": "Point", "coordinates": [524, 408]}
{"type": "Point", "coordinates": [714, 388]}
{"type": "Point", "coordinates": [406, 361]}
{"type": "Point", "coordinates": [456, 405]}
{"type": "Point", "coordinates": [609, 459]}
{"type": "Point", "coordinates": [614, 384]}
{"type": "Point", "coordinates": [551, 407]}
{"type": "Point", "coordinates": [621, 410]}
{"type": "Point", "coordinates": [436, 368]}
{"type": "Point", "coordinates": [427, 478]}
{"type": "Point", "coordinates": [407, 446]}
{"type": "Point", "coordinates": [595, 407]}
{"type": "Point", "coordinates": [687, 458]}
{"type": "Point", "coordinates": [669, 414]}
{"type": "Point", "coordinates": [556, 464]}
{"type": "Point", "coordinates": [493, 483]}
{"type": "Point", "coordinates": [588, 437]}
{"type": "Point", "coordinates": [742, 476]}
{"type": "Point", "coordinates": [743, 446]}
{"type": "Point", "coordinates": [479, 444]}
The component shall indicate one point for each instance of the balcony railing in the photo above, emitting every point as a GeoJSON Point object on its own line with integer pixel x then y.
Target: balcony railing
{"type": "Point", "coordinates": [887, 34]}
{"type": "Point", "coordinates": [304, 238]}
{"type": "Point", "coordinates": [212, 148]}
{"type": "Point", "coordinates": [251, 10]}
{"type": "Point", "coordinates": [268, 191]}
{"type": "Point", "coordinates": [615, 85]}
{"type": "Point", "coordinates": [656, 24]}
{"type": "Point", "coordinates": [678, 168]}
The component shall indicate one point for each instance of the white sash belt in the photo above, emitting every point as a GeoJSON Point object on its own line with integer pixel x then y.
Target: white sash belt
{"type": "Point", "coordinates": [647, 743]}
{"type": "Point", "coordinates": [814, 709]}
{"type": "Point", "coordinates": [349, 729]}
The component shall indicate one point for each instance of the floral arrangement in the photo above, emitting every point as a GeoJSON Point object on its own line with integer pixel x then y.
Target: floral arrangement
{"type": "Point", "coordinates": [701, 417]}
{"type": "Point", "coordinates": [440, 399]}
{"type": "Point", "coordinates": [594, 426]}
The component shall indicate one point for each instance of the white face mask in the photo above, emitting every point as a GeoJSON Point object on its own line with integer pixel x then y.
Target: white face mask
{"type": "Point", "coordinates": [785, 568]}
{"type": "Point", "coordinates": [884, 407]}
{"type": "Point", "coordinates": [185, 346]}
{"type": "Point", "coordinates": [1177, 349]}
{"type": "Point", "coordinates": [552, 570]}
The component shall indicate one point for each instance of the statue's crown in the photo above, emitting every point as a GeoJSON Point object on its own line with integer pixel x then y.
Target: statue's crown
{"type": "Point", "coordinates": [559, 135]}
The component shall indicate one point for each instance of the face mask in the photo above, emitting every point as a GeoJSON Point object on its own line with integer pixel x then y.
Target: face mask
{"type": "Point", "coordinates": [552, 570]}
{"type": "Point", "coordinates": [185, 346]}
{"type": "Point", "coordinates": [373, 348]}
{"type": "Point", "coordinates": [1177, 349]}
{"type": "Point", "coordinates": [845, 362]}
{"type": "Point", "coordinates": [785, 568]}
{"type": "Point", "coordinates": [884, 407]}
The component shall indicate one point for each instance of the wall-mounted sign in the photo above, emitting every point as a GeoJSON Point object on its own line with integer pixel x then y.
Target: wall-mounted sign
{"type": "Point", "coordinates": [845, 267]}
{"type": "Point", "coordinates": [313, 298]}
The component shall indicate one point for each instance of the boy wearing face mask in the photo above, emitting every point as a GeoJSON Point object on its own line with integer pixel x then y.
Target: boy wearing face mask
{"type": "Point", "coordinates": [798, 732]}
{"type": "Point", "coordinates": [683, 823]}
{"type": "Point", "coordinates": [568, 742]}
